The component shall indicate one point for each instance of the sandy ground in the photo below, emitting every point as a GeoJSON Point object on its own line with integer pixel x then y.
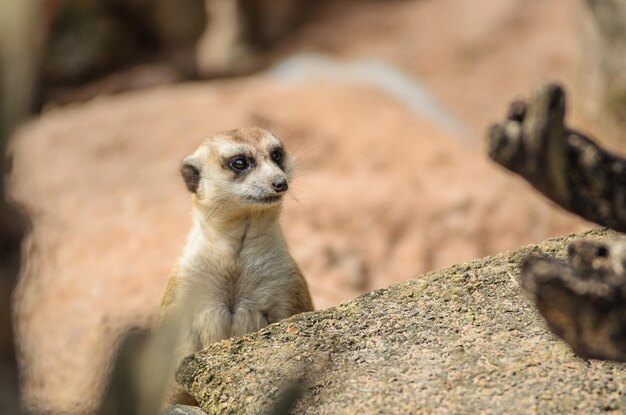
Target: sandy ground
{"type": "Point", "coordinates": [382, 194]}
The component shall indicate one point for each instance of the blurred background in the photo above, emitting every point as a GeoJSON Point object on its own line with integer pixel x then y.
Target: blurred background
{"type": "Point", "coordinates": [383, 102]}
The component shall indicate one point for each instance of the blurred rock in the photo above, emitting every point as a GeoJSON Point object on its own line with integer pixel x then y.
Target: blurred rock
{"type": "Point", "coordinates": [89, 39]}
{"type": "Point", "coordinates": [224, 49]}
{"type": "Point", "coordinates": [461, 340]}
{"type": "Point", "coordinates": [179, 23]}
{"type": "Point", "coordinates": [480, 58]}
{"type": "Point", "coordinates": [137, 77]}
{"type": "Point", "coordinates": [473, 59]}
{"type": "Point", "coordinates": [86, 40]}
{"type": "Point", "coordinates": [380, 196]}
{"type": "Point", "coordinates": [238, 32]}
{"type": "Point", "coordinates": [604, 66]}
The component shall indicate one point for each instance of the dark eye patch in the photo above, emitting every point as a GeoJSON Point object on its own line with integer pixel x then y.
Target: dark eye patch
{"type": "Point", "coordinates": [240, 164]}
{"type": "Point", "coordinates": [277, 155]}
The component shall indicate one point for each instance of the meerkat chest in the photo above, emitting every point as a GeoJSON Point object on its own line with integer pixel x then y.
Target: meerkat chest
{"type": "Point", "coordinates": [232, 295]}
{"type": "Point", "coordinates": [251, 276]}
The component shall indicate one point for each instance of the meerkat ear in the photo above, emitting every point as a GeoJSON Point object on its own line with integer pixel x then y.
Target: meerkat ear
{"type": "Point", "coordinates": [191, 174]}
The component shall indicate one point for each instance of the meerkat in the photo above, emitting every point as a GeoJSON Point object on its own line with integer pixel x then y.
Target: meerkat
{"type": "Point", "coordinates": [235, 274]}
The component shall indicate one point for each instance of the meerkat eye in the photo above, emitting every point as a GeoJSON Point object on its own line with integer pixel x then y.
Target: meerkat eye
{"type": "Point", "coordinates": [239, 164]}
{"type": "Point", "coordinates": [277, 155]}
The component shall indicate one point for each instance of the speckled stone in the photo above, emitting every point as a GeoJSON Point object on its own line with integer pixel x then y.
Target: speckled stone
{"type": "Point", "coordinates": [460, 340]}
{"type": "Point", "coordinates": [183, 410]}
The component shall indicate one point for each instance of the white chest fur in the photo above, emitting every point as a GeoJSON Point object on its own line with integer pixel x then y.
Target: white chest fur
{"type": "Point", "coordinates": [235, 279]}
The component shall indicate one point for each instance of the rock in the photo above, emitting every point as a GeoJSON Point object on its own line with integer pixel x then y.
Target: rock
{"type": "Point", "coordinates": [183, 410]}
{"type": "Point", "coordinates": [238, 32]}
{"type": "Point", "coordinates": [461, 340]}
{"type": "Point", "coordinates": [603, 64]}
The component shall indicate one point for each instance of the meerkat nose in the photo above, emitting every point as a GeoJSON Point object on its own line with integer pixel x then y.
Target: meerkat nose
{"type": "Point", "coordinates": [280, 184]}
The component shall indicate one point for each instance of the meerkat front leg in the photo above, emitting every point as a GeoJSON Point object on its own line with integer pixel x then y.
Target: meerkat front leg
{"type": "Point", "coordinates": [209, 326]}
{"type": "Point", "coordinates": [248, 319]}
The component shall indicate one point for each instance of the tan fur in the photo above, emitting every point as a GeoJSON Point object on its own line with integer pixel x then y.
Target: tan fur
{"type": "Point", "coordinates": [235, 275]}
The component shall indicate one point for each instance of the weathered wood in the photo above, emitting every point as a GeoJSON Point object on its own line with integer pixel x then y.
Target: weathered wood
{"type": "Point", "coordinates": [583, 299]}
{"type": "Point", "coordinates": [563, 164]}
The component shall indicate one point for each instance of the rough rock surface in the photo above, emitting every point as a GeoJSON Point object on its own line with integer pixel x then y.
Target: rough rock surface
{"type": "Point", "coordinates": [461, 340]}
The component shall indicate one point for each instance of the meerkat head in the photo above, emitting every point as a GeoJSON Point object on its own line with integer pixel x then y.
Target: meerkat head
{"type": "Point", "coordinates": [247, 167]}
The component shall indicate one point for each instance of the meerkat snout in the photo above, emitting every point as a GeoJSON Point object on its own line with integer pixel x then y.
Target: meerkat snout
{"type": "Point", "coordinates": [280, 184]}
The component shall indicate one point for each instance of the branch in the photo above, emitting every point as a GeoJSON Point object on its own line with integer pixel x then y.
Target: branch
{"type": "Point", "coordinates": [584, 299]}
{"type": "Point", "coordinates": [563, 164]}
